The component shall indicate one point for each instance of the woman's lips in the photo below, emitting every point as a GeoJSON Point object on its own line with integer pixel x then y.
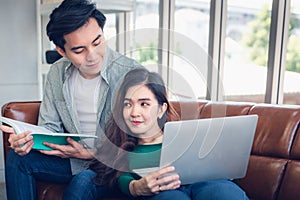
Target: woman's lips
{"type": "Point", "coordinates": [136, 123]}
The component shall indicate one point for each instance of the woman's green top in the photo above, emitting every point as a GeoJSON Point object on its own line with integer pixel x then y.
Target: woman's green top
{"type": "Point", "coordinates": [143, 156]}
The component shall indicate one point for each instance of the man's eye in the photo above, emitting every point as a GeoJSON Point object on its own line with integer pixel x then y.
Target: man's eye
{"type": "Point", "coordinates": [78, 52]}
{"type": "Point", "coordinates": [97, 42]}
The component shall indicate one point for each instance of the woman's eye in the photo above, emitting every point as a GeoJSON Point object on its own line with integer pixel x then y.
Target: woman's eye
{"type": "Point", "coordinates": [145, 104]}
{"type": "Point", "coordinates": [127, 105]}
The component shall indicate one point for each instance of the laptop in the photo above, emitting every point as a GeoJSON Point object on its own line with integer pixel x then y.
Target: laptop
{"type": "Point", "coordinates": [207, 149]}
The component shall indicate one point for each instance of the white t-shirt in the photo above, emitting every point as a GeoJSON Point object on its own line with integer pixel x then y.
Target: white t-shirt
{"type": "Point", "coordinates": [85, 95]}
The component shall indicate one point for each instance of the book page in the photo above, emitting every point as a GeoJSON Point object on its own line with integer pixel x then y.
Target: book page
{"type": "Point", "coordinates": [21, 127]}
{"type": "Point", "coordinates": [65, 135]}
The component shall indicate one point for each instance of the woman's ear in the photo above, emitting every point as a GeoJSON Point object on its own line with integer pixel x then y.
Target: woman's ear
{"type": "Point", "coordinates": [60, 51]}
{"type": "Point", "coordinates": [162, 109]}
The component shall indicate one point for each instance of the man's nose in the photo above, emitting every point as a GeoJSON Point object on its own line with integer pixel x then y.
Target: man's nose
{"type": "Point", "coordinates": [91, 55]}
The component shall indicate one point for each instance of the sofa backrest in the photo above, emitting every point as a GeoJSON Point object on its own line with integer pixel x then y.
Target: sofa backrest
{"type": "Point", "coordinates": [274, 165]}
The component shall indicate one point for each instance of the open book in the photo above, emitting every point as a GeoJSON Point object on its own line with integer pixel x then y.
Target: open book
{"type": "Point", "coordinates": [41, 134]}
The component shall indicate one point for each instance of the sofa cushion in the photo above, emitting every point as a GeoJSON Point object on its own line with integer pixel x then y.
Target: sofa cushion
{"type": "Point", "coordinates": [290, 184]}
{"type": "Point", "coordinates": [275, 130]}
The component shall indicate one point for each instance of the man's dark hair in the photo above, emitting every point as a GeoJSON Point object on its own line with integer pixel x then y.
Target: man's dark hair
{"type": "Point", "coordinates": [69, 16]}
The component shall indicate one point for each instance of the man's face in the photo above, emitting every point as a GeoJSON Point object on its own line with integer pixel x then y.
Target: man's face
{"type": "Point", "coordinates": [85, 49]}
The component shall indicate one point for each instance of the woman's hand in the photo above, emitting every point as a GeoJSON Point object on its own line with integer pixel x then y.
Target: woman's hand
{"type": "Point", "coordinates": [21, 143]}
{"type": "Point", "coordinates": [72, 150]}
{"type": "Point", "coordinates": [153, 183]}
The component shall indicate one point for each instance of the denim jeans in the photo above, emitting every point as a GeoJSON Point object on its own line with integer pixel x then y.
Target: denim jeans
{"type": "Point", "coordinates": [22, 172]}
{"type": "Point", "coordinates": [208, 190]}
{"type": "Point", "coordinates": [84, 182]}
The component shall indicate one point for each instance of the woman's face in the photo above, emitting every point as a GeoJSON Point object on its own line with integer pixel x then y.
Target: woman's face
{"type": "Point", "coordinates": [141, 111]}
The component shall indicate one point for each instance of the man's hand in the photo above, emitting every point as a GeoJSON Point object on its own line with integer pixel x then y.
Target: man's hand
{"type": "Point", "coordinates": [21, 143]}
{"type": "Point", "coordinates": [72, 150]}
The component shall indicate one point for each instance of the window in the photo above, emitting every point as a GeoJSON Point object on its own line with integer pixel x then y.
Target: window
{"type": "Point", "coordinates": [291, 87]}
{"type": "Point", "coordinates": [110, 30]}
{"type": "Point", "coordinates": [179, 51]}
{"type": "Point", "coordinates": [246, 50]}
{"type": "Point", "coordinates": [144, 35]}
{"type": "Point", "coordinates": [189, 49]}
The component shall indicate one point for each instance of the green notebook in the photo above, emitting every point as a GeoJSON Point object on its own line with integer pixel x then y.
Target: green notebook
{"type": "Point", "coordinates": [56, 138]}
{"type": "Point", "coordinates": [41, 134]}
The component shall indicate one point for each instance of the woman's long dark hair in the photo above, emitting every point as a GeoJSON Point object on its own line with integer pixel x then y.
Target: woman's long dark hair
{"type": "Point", "coordinates": [110, 161]}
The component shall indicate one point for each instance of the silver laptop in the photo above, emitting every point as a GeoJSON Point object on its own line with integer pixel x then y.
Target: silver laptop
{"type": "Point", "coordinates": [207, 149]}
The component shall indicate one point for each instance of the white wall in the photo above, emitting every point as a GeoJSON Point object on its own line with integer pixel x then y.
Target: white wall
{"type": "Point", "coordinates": [18, 55]}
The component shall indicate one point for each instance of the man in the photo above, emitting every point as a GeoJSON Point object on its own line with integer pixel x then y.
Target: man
{"type": "Point", "coordinates": [77, 99]}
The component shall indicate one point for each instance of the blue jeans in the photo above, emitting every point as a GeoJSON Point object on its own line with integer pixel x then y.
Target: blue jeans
{"type": "Point", "coordinates": [84, 182]}
{"type": "Point", "coordinates": [208, 190]}
{"type": "Point", "coordinates": [22, 172]}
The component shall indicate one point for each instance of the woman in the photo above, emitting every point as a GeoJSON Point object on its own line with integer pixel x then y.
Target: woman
{"type": "Point", "coordinates": [134, 137]}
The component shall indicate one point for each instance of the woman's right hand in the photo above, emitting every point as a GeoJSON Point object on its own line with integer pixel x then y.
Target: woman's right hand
{"type": "Point", "coordinates": [153, 183]}
{"type": "Point", "coordinates": [21, 143]}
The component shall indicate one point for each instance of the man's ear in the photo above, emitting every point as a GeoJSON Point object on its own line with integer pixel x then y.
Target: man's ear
{"type": "Point", "coordinates": [162, 110]}
{"type": "Point", "coordinates": [60, 51]}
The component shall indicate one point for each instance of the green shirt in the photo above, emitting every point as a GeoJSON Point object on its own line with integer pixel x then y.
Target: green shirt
{"type": "Point", "coordinates": [143, 156]}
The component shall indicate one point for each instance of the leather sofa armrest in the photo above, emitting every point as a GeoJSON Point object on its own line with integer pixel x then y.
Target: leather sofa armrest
{"type": "Point", "coordinates": [23, 111]}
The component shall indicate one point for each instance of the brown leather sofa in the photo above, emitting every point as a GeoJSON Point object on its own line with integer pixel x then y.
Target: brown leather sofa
{"type": "Point", "coordinates": [274, 166]}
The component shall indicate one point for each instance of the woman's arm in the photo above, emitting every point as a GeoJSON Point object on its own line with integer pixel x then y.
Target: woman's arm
{"type": "Point", "coordinates": [124, 182]}
{"type": "Point", "coordinates": [163, 179]}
